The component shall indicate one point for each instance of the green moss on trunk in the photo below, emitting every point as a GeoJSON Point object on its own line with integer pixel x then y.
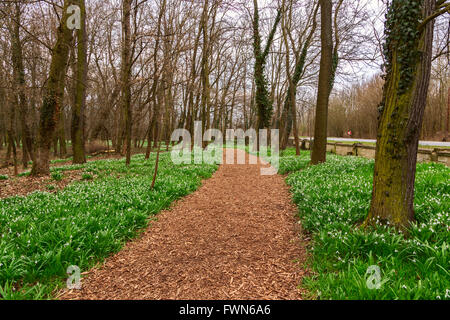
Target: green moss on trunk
{"type": "Point", "coordinates": [408, 53]}
{"type": "Point", "coordinates": [53, 95]}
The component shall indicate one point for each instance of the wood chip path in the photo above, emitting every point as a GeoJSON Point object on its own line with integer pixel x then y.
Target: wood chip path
{"type": "Point", "coordinates": [235, 238]}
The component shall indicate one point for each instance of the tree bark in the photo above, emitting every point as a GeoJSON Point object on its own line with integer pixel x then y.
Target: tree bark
{"type": "Point", "coordinates": [325, 77]}
{"type": "Point", "coordinates": [152, 93]}
{"type": "Point", "coordinates": [205, 102]}
{"type": "Point", "coordinates": [77, 126]}
{"type": "Point", "coordinates": [126, 75]}
{"type": "Point", "coordinates": [291, 93]}
{"type": "Point", "coordinates": [53, 95]}
{"type": "Point", "coordinates": [400, 123]}
{"type": "Point", "coordinates": [62, 135]}
{"type": "Point", "coordinates": [287, 114]}
{"type": "Point", "coordinates": [262, 99]}
{"type": "Point", "coordinates": [19, 79]}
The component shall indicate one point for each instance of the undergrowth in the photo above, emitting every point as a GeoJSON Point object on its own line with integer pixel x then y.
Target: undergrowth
{"type": "Point", "coordinates": [333, 199]}
{"type": "Point", "coordinates": [42, 234]}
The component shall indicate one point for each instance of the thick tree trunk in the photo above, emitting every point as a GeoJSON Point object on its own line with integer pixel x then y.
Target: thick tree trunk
{"type": "Point", "coordinates": [53, 95]}
{"type": "Point", "coordinates": [325, 77]}
{"type": "Point", "coordinates": [77, 126]}
{"type": "Point", "coordinates": [19, 79]}
{"type": "Point", "coordinates": [399, 127]}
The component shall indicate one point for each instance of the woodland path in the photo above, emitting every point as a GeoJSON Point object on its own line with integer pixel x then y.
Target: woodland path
{"type": "Point", "coordinates": [235, 238]}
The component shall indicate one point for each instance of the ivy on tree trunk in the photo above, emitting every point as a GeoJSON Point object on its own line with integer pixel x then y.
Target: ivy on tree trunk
{"type": "Point", "coordinates": [408, 51]}
{"type": "Point", "coordinates": [263, 103]}
{"type": "Point", "coordinates": [53, 96]}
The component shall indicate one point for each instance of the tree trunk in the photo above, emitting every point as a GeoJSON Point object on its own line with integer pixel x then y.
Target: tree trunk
{"type": "Point", "coordinates": [325, 77]}
{"type": "Point", "coordinates": [262, 100]}
{"type": "Point", "coordinates": [205, 69]}
{"type": "Point", "coordinates": [14, 150]}
{"type": "Point", "coordinates": [53, 95]}
{"type": "Point", "coordinates": [19, 79]}
{"type": "Point", "coordinates": [287, 115]}
{"type": "Point", "coordinates": [447, 127]}
{"type": "Point", "coordinates": [402, 109]}
{"type": "Point", "coordinates": [126, 75]}
{"type": "Point", "coordinates": [77, 126]}
{"type": "Point", "coordinates": [62, 136]}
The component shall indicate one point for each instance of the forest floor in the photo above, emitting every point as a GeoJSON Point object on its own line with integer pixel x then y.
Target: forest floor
{"type": "Point", "coordinates": [235, 238]}
{"type": "Point", "coordinates": [23, 185]}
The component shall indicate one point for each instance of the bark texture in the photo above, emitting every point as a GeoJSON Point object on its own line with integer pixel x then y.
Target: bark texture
{"type": "Point", "coordinates": [325, 79]}
{"type": "Point", "coordinates": [400, 122]}
{"type": "Point", "coordinates": [126, 75]}
{"type": "Point", "coordinates": [77, 127]}
{"type": "Point", "coordinates": [19, 79]}
{"type": "Point", "coordinates": [52, 101]}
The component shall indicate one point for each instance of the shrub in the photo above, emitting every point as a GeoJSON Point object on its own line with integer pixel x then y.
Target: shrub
{"type": "Point", "coordinates": [87, 176]}
{"type": "Point", "coordinates": [57, 176]}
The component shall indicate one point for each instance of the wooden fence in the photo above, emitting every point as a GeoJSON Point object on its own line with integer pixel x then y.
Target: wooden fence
{"type": "Point", "coordinates": [367, 151]}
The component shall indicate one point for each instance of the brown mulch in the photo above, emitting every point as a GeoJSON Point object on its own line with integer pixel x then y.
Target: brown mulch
{"type": "Point", "coordinates": [235, 238]}
{"type": "Point", "coordinates": [22, 186]}
{"type": "Point", "coordinates": [10, 169]}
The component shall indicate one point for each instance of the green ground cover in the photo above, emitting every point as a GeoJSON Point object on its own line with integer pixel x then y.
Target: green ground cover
{"type": "Point", "coordinates": [334, 198]}
{"type": "Point", "coordinates": [42, 234]}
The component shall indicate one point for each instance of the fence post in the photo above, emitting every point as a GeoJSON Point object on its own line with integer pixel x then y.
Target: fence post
{"type": "Point", "coordinates": [355, 149]}
{"type": "Point", "coordinates": [303, 145]}
{"type": "Point", "coordinates": [434, 156]}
